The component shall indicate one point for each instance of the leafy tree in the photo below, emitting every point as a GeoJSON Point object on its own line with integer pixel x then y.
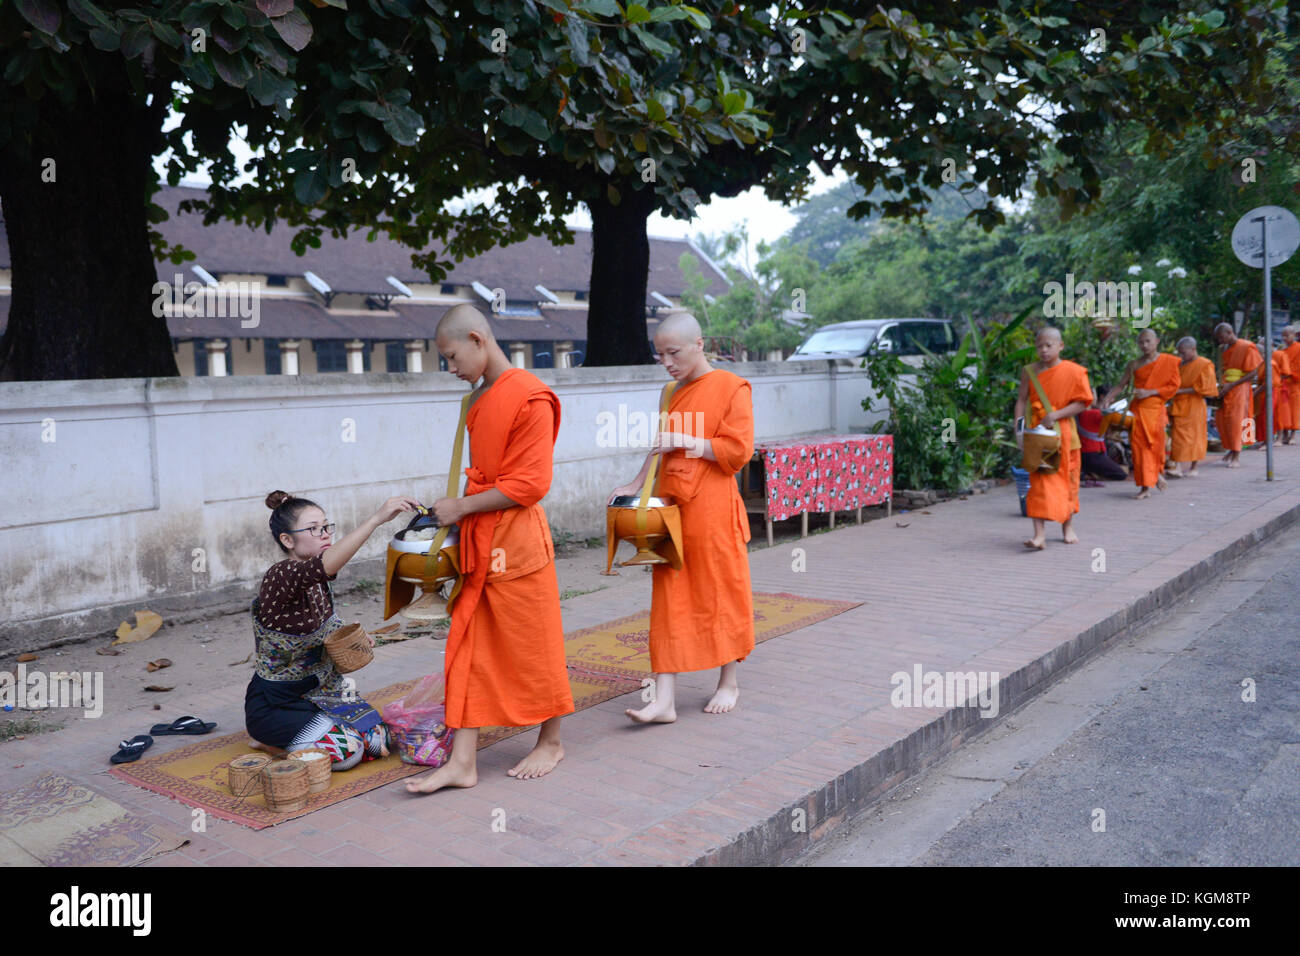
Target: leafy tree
{"type": "Point", "coordinates": [426, 102]}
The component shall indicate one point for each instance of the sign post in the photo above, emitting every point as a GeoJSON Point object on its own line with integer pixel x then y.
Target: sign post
{"type": "Point", "coordinates": [1262, 238]}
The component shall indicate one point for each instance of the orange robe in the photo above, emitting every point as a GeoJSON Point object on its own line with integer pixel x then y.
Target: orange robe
{"type": "Point", "coordinates": [1232, 414]}
{"type": "Point", "coordinates": [1281, 394]}
{"type": "Point", "coordinates": [1055, 497]}
{"type": "Point", "coordinates": [702, 616]}
{"type": "Point", "coordinates": [505, 651]}
{"type": "Point", "coordinates": [1290, 412]}
{"type": "Point", "coordinates": [1147, 436]}
{"type": "Point", "coordinates": [1190, 432]}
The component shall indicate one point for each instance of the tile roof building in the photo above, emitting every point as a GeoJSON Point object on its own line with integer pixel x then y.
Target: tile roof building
{"type": "Point", "coordinates": [356, 305]}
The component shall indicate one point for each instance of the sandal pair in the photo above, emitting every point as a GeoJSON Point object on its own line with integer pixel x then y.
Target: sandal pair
{"type": "Point", "coordinates": [129, 751]}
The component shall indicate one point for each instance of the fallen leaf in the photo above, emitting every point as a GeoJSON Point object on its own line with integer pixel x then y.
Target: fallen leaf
{"type": "Point", "coordinates": [899, 524]}
{"type": "Point", "coordinates": [157, 688]}
{"type": "Point", "coordinates": [146, 624]}
{"type": "Point", "coordinates": [157, 665]}
{"type": "Point", "coordinates": [925, 512]}
{"type": "Point", "coordinates": [107, 651]}
{"type": "Point", "coordinates": [387, 630]}
{"type": "Point", "coordinates": [157, 706]}
{"type": "Point", "coordinates": [24, 658]}
{"type": "Point", "coordinates": [244, 661]}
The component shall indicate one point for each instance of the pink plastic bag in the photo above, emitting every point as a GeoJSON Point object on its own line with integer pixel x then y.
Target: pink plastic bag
{"type": "Point", "coordinates": [417, 723]}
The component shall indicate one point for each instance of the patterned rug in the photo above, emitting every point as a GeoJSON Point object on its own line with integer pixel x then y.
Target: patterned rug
{"type": "Point", "coordinates": [55, 822]}
{"type": "Point", "coordinates": [604, 662]}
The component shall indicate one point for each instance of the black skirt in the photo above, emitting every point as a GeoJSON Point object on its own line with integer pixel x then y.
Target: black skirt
{"type": "Point", "coordinates": [274, 710]}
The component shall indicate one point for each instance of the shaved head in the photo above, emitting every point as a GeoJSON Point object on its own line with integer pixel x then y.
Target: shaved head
{"type": "Point", "coordinates": [1222, 327]}
{"type": "Point", "coordinates": [1051, 332]}
{"type": "Point", "coordinates": [1186, 342]}
{"type": "Point", "coordinates": [460, 320]}
{"type": "Point", "coordinates": [679, 327]}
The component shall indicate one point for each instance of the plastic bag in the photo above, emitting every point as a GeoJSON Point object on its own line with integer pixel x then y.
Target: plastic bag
{"type": "Point", "coordinates": [417, 724]}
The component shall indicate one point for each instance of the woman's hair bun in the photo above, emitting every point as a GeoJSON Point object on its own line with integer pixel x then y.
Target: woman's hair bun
{"type": "Point", "coordinates": [277, 498]}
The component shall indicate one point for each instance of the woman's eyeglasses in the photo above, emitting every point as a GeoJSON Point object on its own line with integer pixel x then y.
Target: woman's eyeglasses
{"type": "Point", "coordinates": [316, 531]}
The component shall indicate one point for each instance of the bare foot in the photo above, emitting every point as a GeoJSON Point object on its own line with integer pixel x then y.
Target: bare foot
{"type": "Point", "coordinates": [540, 761]}
{"type": "Point", "coordinates": [448, 775]}
{"type": "Point", "coordinates": [1192, 474]}
{"type": "Point", "coordinates": [1037, 544]}
{"type": "Point", "coordinates": [723, 699]}
{"type": "Point", "coordinates": [1069, 537]}
{"type": "Point", "coordinates": [655, 712]}
{"type": "Point", "coordinates": [266, 748]}
{"type": "Point", "coordinates": [1161, 483]}
{"type": "Point", "coordinates": [1144, 493]}
{"type": "Point", "coordinates": [1173, 474]}
{"type": "Point", "coordinates": [1234, 464]}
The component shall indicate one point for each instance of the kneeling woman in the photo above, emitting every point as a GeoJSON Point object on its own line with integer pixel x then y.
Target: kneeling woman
{"type": "Point", "coordinates": [297, 699]}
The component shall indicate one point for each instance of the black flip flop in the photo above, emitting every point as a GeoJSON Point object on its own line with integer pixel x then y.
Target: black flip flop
{"type": "Point", "coordinates": [129, 751]}
{"type": "Point", "coordinates": [182, 726]}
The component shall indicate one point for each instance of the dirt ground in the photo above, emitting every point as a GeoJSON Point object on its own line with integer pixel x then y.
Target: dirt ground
{"type": "Point", "coordinates": [217, 652]}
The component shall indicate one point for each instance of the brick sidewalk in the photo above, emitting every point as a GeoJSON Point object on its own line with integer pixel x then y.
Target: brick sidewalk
{"type": "Point", "coordinates": [953, 590]}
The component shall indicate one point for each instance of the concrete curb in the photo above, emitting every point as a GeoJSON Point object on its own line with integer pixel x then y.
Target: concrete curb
{"type": "Point", "coordinates": [774, 841]}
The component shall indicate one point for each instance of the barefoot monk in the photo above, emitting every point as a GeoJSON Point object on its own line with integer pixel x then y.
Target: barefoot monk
{"type": "Point", "coordinates": [1240, 364]}
{"type": "Point", "coordinates": [1196, 382]}
{"type": "Point", "coordinates": [702, 615]}
{"type": "Point", "coordinates": [1054, 496]}
{"type": "Point", "coordinates": [1155, 376]}
{"type": "Point", "coordinates": [505, 651]}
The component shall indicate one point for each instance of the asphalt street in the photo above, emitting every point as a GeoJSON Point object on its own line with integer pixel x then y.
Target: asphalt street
{"type": "Point", "coordinates": [1155, 733]}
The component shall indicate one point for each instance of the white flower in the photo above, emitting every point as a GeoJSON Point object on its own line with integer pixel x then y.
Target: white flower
{"type": "Point", "coordinates": [1178, 272]}
{"type": "Point", "coordinates": [1148, 287]}
{"type": "Point", "coordinates": [1158, 311]}
{"type": "Point", "coordinates": [1163, 263]}
{"type": "Point", "coordinates": [1134, 270]}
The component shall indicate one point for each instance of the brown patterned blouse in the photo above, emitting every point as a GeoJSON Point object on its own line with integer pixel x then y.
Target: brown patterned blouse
{"type": "Point", "coordinates": [294, 598]}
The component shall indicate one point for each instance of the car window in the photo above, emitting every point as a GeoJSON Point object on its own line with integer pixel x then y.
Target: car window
{"type": "Point", "coordinates": [889, 339]}
{"type": "Point", "coordinates": [848, 341]}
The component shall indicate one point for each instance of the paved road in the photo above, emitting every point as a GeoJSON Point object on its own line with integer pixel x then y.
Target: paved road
{"type": "Point", "coordinates": [1154, 732]}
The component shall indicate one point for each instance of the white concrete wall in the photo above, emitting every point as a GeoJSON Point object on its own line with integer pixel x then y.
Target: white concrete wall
{"type": "Point", "coordinates": [111, 486]}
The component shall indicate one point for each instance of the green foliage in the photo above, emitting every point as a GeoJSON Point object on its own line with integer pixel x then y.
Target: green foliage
{"type": "Point", "coordinates": [951, 417]}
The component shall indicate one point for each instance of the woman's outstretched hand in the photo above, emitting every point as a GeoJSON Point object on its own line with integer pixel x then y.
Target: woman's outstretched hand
{"type": "Point", "coordinates": [393, 507]}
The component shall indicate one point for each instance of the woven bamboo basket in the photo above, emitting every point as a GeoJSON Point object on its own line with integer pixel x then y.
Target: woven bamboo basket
{"type": "Point", "coordinates": [349, 648]}
{"type": "Point", "coordinates": [285, 785]}
{"type": "Point", "coordinates": [244, 774]}
{"type": "Point", "coordinates": [318, 768]}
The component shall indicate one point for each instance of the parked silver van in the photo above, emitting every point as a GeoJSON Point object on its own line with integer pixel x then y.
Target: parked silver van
{"type": "Point", "coordinates": [903, 337]}
{"type": "Point", "coordinates": [848, 343]}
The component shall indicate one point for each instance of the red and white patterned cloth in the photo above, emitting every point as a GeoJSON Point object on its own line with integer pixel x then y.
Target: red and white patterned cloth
{"type": "Point", "coordinates": [826, 473]}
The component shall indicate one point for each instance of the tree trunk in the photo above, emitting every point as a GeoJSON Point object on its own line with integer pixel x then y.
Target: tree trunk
{"type": "Point", "coordinates": [82, 264]}
{"type": "Point", "coordinates": [620, 265]}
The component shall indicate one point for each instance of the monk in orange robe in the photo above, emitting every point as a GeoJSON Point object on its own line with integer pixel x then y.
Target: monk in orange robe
{"type": "Point", "coordinates": [505, 661]}
{"type": "Point", "coordinates": [1155, 378]}
{"type": "Point", "coordinates": [701, 615]}
{"type": "Point", "coordinates": [1188, 411]}
{"type": "Point", "coordinates": [1054, 497]}
{"type": "Point", "coordinates": [1290, 412]}
{"type": "Point", "coordinates": [1281, 378]}
{"type": "Point", "coordinates": [1240, 364]}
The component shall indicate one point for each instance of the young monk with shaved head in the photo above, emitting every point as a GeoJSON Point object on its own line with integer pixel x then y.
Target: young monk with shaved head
{"type": "Point", "coordinates": [505, 651]}
{"type": "Point", "coordinates": [1187, 410]}
{"type": "Point", "coordinates": [1055, 496]}
{"type": "Point", "coordinates": [1289, 412]}
{"type": "Point", "coordinates": [1241, 362]}
{"type": "Point", "coordinates": [701, 616]}
{"type": "Point", "coordinates": [1155, 376]}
